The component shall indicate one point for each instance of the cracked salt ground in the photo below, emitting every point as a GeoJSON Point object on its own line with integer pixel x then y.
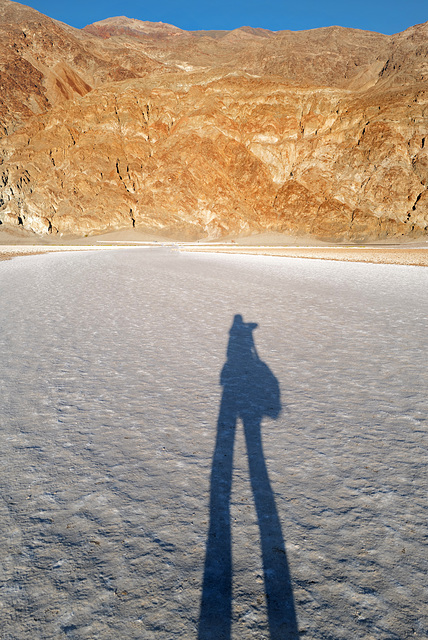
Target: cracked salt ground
{"type": "Point", "coordinates": [111, 395]}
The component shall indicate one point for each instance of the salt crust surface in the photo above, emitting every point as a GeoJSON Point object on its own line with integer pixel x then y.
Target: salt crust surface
{"type": "Point", "coordinates": [110, 392]}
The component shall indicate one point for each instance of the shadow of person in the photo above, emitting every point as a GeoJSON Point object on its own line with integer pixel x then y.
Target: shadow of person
{"type": "Point", "coordinates": [250, 392]}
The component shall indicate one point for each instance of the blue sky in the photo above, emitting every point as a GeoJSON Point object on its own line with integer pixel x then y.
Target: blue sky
{"type": "Point", "coordinates": [384, 16]}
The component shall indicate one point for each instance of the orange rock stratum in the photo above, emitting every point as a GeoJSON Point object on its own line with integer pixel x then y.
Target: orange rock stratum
{"type": "Point", "coordinates": [206, 134]}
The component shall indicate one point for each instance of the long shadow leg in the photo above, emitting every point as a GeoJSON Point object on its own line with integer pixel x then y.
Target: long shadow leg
{"type": "Point", "coordinates": [216, 602]}
{"type": "Point", "coordinates": [279, 594]}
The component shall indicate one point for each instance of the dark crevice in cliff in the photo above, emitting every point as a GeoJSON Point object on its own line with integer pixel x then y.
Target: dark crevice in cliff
{"type": "Point", "coordinates": [416, 201]}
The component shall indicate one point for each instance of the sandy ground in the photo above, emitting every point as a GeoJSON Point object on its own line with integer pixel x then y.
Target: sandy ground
{"type": "Point", "coordinates": [269, 244]}
{"type": "Point", "coordinates": [122, 454]}
{"type": "Point", "coordinates": [9, 235]}
{"type": "Point", "coordinates": [414, 254]}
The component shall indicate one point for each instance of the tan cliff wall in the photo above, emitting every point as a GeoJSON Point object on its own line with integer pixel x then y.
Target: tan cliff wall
{"type": "Point", "coordinates": [210, 152]}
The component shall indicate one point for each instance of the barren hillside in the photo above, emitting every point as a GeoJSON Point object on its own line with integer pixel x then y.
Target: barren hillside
{"type": "Point", "coordinates": [203, 134]}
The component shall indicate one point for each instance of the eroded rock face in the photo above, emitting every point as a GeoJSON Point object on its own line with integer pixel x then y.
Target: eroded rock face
{"type": "Point", "coordinates": [192, 141]}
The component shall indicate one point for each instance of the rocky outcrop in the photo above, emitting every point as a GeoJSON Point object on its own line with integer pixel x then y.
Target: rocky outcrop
{"type": "Point", "coordinates": [170, 131]}
{"type": "Point", "coordinates": [44, 63]}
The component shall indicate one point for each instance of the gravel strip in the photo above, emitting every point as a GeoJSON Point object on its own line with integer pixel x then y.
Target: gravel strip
{"type": "Point", "coordinates": [378, 255]}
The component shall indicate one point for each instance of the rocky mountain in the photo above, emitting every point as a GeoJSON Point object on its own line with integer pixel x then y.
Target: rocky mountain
{"type": "Point", "coordinates": [203, 134]}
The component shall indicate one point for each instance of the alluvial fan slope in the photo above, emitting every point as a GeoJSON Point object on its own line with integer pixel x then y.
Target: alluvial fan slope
{"type": "Point", "coordinates": [203, 134]}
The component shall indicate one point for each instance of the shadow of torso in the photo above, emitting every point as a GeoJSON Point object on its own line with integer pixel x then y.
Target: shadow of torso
{"type": "Point", "coordinates": [250, 389]}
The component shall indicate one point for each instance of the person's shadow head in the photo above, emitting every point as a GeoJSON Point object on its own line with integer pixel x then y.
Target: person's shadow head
{"type": "Point", "coordinates": [247, 381]}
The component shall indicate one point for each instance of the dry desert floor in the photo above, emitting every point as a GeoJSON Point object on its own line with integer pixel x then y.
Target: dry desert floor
{"type": "Point", "coordinates": [169, 470]}
{"type": "Point", "coordinates": [413, 253]}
